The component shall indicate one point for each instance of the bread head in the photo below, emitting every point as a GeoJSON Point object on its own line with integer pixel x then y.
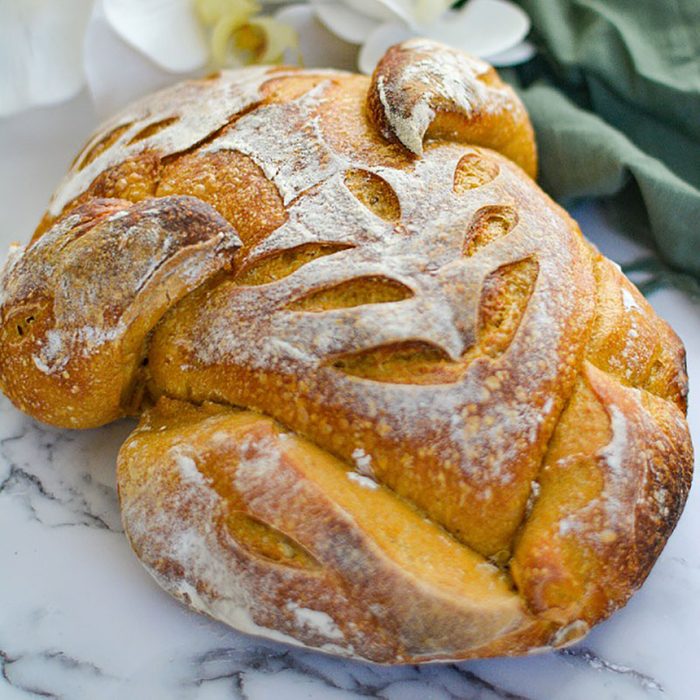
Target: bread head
{"type": "Point", "coordinates": [402, 409]}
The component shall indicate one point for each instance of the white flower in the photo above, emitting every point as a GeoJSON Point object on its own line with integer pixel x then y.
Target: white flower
{"type": "Point", "coordinates": [40, 51]}
{"type": "Point", "coordinates": [491, 29]}
{"type": "Point", "coordinates": [319, 48]}
{"type": "Point", "coordinates": [116, 71]}
{"type": "Point", "coordinates": [126, 48]}
{"type": "Point", "coordinates": [173, 39]}
{"type": "Point", "coordinates": [123, 49]}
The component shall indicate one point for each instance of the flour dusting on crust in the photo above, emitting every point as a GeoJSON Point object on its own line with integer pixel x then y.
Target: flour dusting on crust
{"type": "Point", "coordinates": [426, 78]}
{"type": "Point", "coordinates": [444, 398]}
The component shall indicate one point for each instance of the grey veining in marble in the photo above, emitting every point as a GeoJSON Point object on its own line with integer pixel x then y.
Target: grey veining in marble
{"type": "Point", "coordinates": [80, 619]}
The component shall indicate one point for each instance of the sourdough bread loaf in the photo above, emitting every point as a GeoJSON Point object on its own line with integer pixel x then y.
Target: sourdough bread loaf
{"type": "Point", "coordinates": [393, 405]}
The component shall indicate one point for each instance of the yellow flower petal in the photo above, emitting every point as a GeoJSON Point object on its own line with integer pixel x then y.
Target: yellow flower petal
{"type": "Point", "coordinates": [222, 34]}
{"type": "Point", "coordinates": [239, 37]}
{"type": "Point", "coordinates": [277, 38]}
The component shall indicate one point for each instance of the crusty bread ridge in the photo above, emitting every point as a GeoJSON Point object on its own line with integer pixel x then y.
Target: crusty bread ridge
{"type": "Point", "coordinates": [394, 406]}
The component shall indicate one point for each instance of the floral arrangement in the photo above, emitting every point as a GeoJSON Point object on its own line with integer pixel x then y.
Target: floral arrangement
{"type": "Point", "coordinates": [125, 48]}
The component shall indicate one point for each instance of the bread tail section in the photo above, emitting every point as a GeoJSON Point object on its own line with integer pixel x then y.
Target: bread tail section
{"type": "Point", "coordinates": [422, 89]}
{"type": "Point", "coordinates": [77, 306]}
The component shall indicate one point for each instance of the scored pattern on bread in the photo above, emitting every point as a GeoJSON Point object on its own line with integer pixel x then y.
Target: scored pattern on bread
{"type": "Point", "coordinates": [403, 411]}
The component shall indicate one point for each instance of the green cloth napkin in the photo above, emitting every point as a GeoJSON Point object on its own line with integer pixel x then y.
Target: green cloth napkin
{"type": "Point", "coordinates": [615, 100]}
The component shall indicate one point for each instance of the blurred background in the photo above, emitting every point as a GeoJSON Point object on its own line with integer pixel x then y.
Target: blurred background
{"type": "Point", "coordinates": [613, 89]}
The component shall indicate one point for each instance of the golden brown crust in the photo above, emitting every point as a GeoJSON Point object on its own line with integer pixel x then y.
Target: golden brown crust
{"type": "Point", "coordinates": [630, 342]}
{"type": "Point", "coordinates": [423, 89]}
{"type": "Point", "coordinates": [484, 446]}
{"type": "Point", "coordinates": [356, 590]}
{"type": "Point", "coordinates": [78, 306]}
{"type": "Point", "coordinates": [611, 488]}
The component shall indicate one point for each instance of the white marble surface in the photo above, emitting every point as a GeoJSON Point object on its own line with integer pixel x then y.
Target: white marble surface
{"type": "Point", "coordinates": [80, 619]}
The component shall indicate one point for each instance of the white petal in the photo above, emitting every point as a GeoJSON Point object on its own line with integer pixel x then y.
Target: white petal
{"type": "Point", "coordinates": [482, 27]}
{"type": "Point", "coordinates": [40, 51]}
{"type": "Point", "coordinates": [319, 48]}
{"type": "Point", "coordinates": [385, 10]}
{"type": "Point", "coordinates": [167, 31]}
{"type": "Point", "coordinates": [428, 11]}
{"type": "Point", "coordinates": [117, 74]}
{"type": "Point", "coordinates": [520, 53]}
{"type": "Point", "coordinates": [379, 41]}
{"type": "Point", "coordinates": [343, 21]}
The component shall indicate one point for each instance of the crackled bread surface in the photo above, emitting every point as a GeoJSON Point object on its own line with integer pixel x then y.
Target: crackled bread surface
{"type": "Point", "coordinates": [394, 406]}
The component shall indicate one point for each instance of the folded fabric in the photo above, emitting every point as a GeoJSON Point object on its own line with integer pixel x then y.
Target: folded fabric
{"type": "Point", "coordinates": [615, 100]}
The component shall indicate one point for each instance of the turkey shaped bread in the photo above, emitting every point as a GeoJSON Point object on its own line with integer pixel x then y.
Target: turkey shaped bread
{"type": "Point", "coordinates": [393, 405]}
